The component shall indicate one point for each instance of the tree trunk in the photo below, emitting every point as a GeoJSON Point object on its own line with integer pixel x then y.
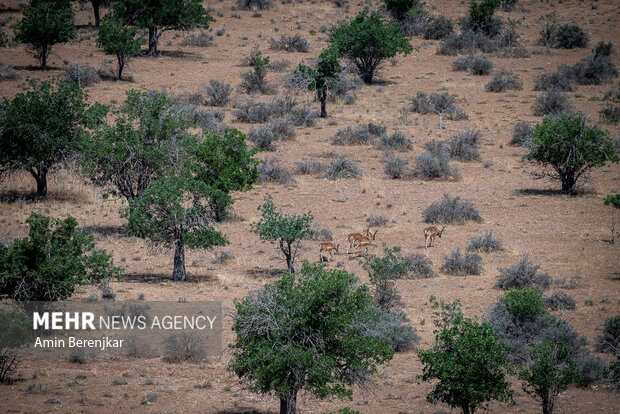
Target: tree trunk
{"type": "Point", "coordinates": [288, 252]}
{"type": "Point", "coordinates": [153, 40]}
{"type": "Point", "coordinates": [288, 404]}
{"type": "Point", "coordinates": [43, 59]}
{"type": "Point", "coordinates": [40, 176]}
{"type": "Point", "coordinates": [547, 405]}
{"type": "Point", "coordinates": [613, 226]}
{"type": "Point", "coordinates": [121, 65]}
{"type": "Point", "coordinates": [95, 4]}
{"type": "Point", "coordinates": [178, 273]}
{"type": "Point", "coordinates": [323, 100]}
{"type": "Point", "coordinates": [568, 182]}
{"type": "Point", "coordinates": [367, 76]}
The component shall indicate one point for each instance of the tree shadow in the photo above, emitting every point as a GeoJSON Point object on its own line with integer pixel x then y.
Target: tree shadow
{"type": "Point", "coordinates": [36, 68]}
{"type": "Point", "coordinates": [18, 196]}
{"type": "Point", "coordinates": [157, 278]}
{"type": "Point", "coordinates": [103, 230]}
{"type": "Point", "coordinates": [553, 192]}
{"type": "Point", "coordinates": [243, 411]}
{"type": "Point", "coordinates": [171, 53]}
{"type": "Point", "coordinates": [262, 273]}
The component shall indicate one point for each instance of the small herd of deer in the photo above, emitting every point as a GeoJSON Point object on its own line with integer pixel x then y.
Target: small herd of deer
{"type": "Point", "coordinates": [358, 240]}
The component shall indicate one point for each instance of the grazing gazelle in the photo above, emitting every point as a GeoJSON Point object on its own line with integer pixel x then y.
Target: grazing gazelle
{"type": "Point", "coordinates": [430, 233]}
{"type": "Point", "coordinates": [327, 247]}
{"type": "Point", "coordinates": [357, 240]}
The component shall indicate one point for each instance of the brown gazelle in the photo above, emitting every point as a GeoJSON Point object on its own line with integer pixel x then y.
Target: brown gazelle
{"type": "Point", "coordinates": [357, 240]}
{"type": "Point", "coordinates": [430, 233]}
{"type": "Point", "coordinates": [327, 247]}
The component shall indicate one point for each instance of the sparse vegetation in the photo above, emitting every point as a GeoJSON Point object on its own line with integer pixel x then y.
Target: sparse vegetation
{"type": "Point", "coordinates": [462, 265]}
{"type": "Point", "coordinates": [504, 81]}
{"type": "Point", "coordinates": [552, 102]}
{"type": "Point", "coordinates": [486, 243]}
{"type": "Point", "coordinates": [429, 166]}
{"type": "Point", "coordinates": [609, 340]}
{"type": "Point", "coordinates": [395, 142]}
{"type": "Point", "coordinates": [396, 167]}
{"type": "Point", "coordinates": [290, 44]}
{"type": "Point", "coordinates": [464, 146]}
{"type": "Point", "coordinates": [610, 114]}
{"type": "Point", "coordinates": [476, 65]}
{"type": "Point", "coordinates": [523, 274]}
{"type": "Point", "coordinates": [522, 134]}
{"type": "Point", "coordinates": [270, 171]}
{"type": "Point", "coordinates": [451, 210]}
{"type": "Point", "coordinates": [83, 75]}
{"type": "Point", "coordinates": [560, 301]}
{"type": "Point", "coordinates": [218, 93]}
{"type": "Point", "coordinates": [364, 135]}
{"type": "Point", "coordinates": [342, 167]}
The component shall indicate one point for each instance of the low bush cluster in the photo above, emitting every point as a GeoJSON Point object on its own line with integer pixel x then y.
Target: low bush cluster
{"type": "Point", "coordinates": [270, 171]}
{"type": "Point", "coordinates": [218, 93]}
{"type": "Point", "coordinates": [342, 167]}
{"type": "Point", "coordinates": [434, 103]}
{"type": "Point", "coordinates": [522, 134]}
{"type": "Point", "coordinates": [451, 210]}
{"type": "Point", "coordinates": [83, 75]}
{"type": "Point", "coordinates": [486, 243]}
{"type": "Point", "coordinates": [290, 44]}
{"type": "Point", "coordinates": [476, 65]}
{"type": "Point", "coordinates": [457, 264]}
{"type": "Point", "coordinates": [504, 81]}
{"type": "Point", "coordinates": [552, 102]}
{"type": "Point", "coordinates": [523, 274]}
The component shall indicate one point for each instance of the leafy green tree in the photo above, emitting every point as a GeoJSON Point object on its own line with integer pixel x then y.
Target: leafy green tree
{"type": "Point", "coordinates": [44, 25]}
{"type": "Point", "coordinates": [254, 81]}
{"type": "Point", "coordinates": [49, 263]}
{"type": "Point", "coordinates": [159, 16]}
{"type": "Point", "coordinates": [469, 361]}
{"type": "Point", "coordinates": [174, 212]}
{"type": "Point", "coordinates": [368, 40]}
{"type": "Point", "coordinates": [43, 126]}
{"type": "Point", "coordinates": [287, 229]}
{"type": "Point", "coordinates": [149, 140]}
{"type": "Point", "coordinates": [301, 333]}
{"type": "Point", "coordinates": [117, 39]}
{"type": "Point", "coordinates": [613, 200]}
{"type": "Point", "coordinates": [399, 8]}
{"type": "Point", "coordinates": [323, 77]}
{"type": "Point", "coordinates": [568, 148]}
{"type": "Point", "coordinates": [481, 16]}
{"type": "Point", "coordinates": [550, 372]}
{"type": "Point", "coordinates": [225, 163]}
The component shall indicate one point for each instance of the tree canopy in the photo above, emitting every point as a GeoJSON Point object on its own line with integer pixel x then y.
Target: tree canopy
{"type": "Point", "coordinates": [368, 40]}
{"type": "Point", "coordinates": [323, 77]}
{"type": "Point", "coordinates": [302, 333]}
{"type": "Point", "coordinates": [118, 39]}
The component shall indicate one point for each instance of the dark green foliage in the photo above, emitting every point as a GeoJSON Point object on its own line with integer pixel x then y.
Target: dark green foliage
{"type": "Point", "coordinates": [367, 41]}
{"type": "Point", "coordinates": [469, 361]}
{"type": "Point", "coordinates": [552, 102]}
{"type": "Point", "coordinates": [42, 127]}
{"type": "Point", "coordinates": [49, 263]}
{"type": "Point", "coordinates": [481, 18]}
{"type": "Point", "coordinates": [438, 28]}
{"type": "Point", "coordinates": [568, 148]}
{"type": "Point", "coordinates": [254, 80]}
{"type": "Point", "coordinates": [342, 167]}
{"type": "Point", "coordinates": [117, 39]}
{"type": "Point", "coordinates": [324, 77]}
{"type": "Point", "coordinates": [603, 49]}
{"type": "Point", "coordinates": [522, 134]}
{"type": "Point", "coordinates": [163, 216]}
{"type": "Point", "coordinates": [521, 275]}
{"type": "Point", "coordinates": [44, 25]}
{"type": "Point", "coordinates": [524, 304]}
{"type": "Point", "coordinates": [569, 36]}
{"type": "Point", "coordinates": [218, 93]}
{"type": "Point", "coordinates": [609, 340]}
{"type": "Point", "coordinates": [159, 16]}
{"type": "Point", "coordinates": [286, 229]}
{"type": "Point", "coordinates": [504, 81]}
{"type": "Point", "coordinates": [279, 329]}
{"type": "Point", "coordinates": [225, 163]}
{"type": "Point", "coordinates": [389, 267]}
{"type": "Point", "coordinates": [399, 8]}
{"type": "Point", "coordinates": [551, 370]}
{"type": "Point", "coordinates": [148, 140]}
{"type": "Point", "coordinates": [610, 114]}
{"type": "Point", "coordinates": [486, 243]}
{"type": "Point", "coordinates": [458, 265]}
{"type": "Point", "coordinates": [451, 210]}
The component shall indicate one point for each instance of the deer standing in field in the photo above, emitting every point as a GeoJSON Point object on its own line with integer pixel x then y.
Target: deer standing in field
{"type": "Point", "coordinates": [357, 240]}
{"type": "Point", "coordinates": [327, 247]}
{"type": "Point", "coordinates": [430, 233]}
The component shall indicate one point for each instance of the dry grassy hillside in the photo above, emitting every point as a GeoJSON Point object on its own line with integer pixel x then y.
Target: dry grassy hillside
{"type": "Point", "coordinates": [566, 235]}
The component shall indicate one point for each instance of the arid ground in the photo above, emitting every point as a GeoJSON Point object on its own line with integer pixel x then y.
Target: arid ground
{"type": "Point", "coordinates": [568, 236]}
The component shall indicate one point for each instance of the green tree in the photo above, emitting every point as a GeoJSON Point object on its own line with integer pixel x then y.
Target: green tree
{"type": "Point", "coordinates": [44, 25]}
{"type": "Point", "coordinates": [149, 140]}
{"type": "Point", "coordinates": [254, 81]}
{"type": "Point", "coordinates": [287, 229]}
{"type": "Point", "coordinates": [49, 263]}
{"type": "Point", "coordinates": [481, 17]}
{"type": "Point", "coordinates": [613, 200]}
{"type": "Point", "coordinates": [226, 163]}
{"type": "Point", "coordinates": [159, 16]}
{"type": "Point", "coordinates": [469, 361]}
{"type": "Point", "coordinates": [301, 333]}
{"type": "Point", "coordinates": [117, 39]}
{"type": "Point", "coordinates": [323, 77]}
{"type": "Point", "coordinates": [368, 40]}
{"type": "Point", "coordinates": [399, 8]}
{"type": "Point", "coordinates": [174, 212]}
{"type": "Point", "coordinates": [43, 126]}
{"type": "Point", "coordinates": [550, 372]}
{"type": "Point", "coordinates": [568, 148]}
